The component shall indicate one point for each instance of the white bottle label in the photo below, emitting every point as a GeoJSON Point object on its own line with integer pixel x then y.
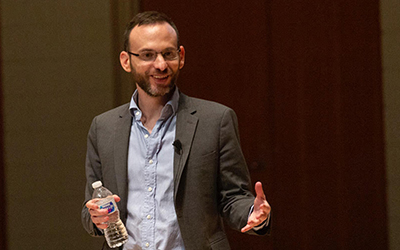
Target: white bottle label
{"type": "Point", "coordinates": [107, 203]}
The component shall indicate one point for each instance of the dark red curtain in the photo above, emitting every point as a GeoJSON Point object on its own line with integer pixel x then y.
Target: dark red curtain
{"type": "Point", "coordinates": [305, 79]}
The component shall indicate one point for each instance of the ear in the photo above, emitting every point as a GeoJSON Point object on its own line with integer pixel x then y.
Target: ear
{"type": "Point", "coordinates": [124, 59]}
{"type": "Point", "coordinates": [181, 57]}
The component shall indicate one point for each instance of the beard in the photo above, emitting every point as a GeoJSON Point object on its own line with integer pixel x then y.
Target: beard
{"type": "Point", "coordinates": [143, 81]}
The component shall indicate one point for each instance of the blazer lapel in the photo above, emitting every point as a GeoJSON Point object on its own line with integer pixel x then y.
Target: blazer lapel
{"type": "Point", "coordinates": [186, 124]}
{"type": "Point", "coordinates": [121, 143]}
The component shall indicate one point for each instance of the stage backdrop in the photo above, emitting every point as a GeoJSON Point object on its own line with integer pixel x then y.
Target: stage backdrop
{"type": "Point", "coordinates": [305, 80]}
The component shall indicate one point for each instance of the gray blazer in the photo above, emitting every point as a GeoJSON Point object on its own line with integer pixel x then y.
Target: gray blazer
{"type": "Point", "coordinates": [211, 178]}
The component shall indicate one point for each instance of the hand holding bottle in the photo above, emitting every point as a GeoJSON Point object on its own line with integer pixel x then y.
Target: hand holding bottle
{"type": "Point", "coordinates": [99, 217]}
{"type": "Point", "coordinates": [104, 213]}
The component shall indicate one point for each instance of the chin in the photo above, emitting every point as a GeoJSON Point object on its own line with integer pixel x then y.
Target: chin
{"type": "Point", "coordinates": [161, 91]}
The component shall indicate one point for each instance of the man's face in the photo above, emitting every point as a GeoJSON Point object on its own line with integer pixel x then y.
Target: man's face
{"type": "Point", "coordinates": [158, 77]}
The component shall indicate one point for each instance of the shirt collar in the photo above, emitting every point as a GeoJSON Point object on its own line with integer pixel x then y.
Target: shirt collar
{"type": "Point", "coordinates": [169, 109]}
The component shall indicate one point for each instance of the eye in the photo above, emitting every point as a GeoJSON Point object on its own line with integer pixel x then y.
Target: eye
{"type": "Point", "coordinates": [168, 54]}
{"type": "Point", "coordinates": [147, 55]}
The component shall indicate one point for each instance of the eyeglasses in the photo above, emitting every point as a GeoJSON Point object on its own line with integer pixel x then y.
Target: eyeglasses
{"type": "Point", "coordinates": [151, 55]}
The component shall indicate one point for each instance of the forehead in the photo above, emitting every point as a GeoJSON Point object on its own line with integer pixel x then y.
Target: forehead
{"type": "Point", "coordinates": [153, 36]}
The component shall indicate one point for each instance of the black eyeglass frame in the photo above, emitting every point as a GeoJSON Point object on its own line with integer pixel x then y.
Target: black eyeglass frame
{"type": "Point", "coordinates": [162, 53]}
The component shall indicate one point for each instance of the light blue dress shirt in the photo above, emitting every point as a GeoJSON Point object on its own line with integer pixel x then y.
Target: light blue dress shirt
{"type": "Point", "coordinates": [152, 222]}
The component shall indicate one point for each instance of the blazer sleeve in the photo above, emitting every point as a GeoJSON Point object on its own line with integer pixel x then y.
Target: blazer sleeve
{"type": "Point", "coordinates": [93, 173]}
{"type": "Point", "coordinates": [236, 197]}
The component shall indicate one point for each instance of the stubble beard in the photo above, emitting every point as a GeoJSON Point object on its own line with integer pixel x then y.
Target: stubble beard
{"type": "Point", "coordinates": [143, 82]}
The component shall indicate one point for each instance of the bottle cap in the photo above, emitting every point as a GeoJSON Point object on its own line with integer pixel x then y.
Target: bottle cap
{"type": "Point", "coordinates": [97, 184]}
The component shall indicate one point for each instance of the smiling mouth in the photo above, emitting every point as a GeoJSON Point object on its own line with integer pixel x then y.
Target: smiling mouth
{"type": "Point", "coordinates": [161, 77]}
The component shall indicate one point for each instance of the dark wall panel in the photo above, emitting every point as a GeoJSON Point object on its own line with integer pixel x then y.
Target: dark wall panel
{"type": "Point", "coordinates": [3, 219]}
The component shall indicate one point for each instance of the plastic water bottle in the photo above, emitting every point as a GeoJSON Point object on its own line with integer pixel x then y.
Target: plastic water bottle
{"type": "Point", "coordinates": [115, 233]}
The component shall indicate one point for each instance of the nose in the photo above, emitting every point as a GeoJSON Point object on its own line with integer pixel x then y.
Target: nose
{"type": "Point", "coordinates": [160, 62]}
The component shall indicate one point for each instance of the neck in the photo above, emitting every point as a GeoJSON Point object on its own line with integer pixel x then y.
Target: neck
{"type": "Point", "coordinates": [151, 107]}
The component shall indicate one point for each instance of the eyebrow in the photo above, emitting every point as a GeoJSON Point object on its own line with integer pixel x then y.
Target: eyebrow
{"type": "Point", "coordinates": [146, 50]}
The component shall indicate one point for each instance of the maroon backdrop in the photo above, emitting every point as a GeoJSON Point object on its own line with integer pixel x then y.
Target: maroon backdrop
{"type": "Point", "coordinates": [304, 78]}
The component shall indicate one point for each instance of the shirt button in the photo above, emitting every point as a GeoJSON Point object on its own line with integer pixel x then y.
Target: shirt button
{"type": "Point", "coordinates": [150, 189]}
{"type": "Point", "coordinates": [137, 113]}
{"type": "Point", "coordinates": [151, 161]}
{"type": "Point", "coordinates": [148, 217]}
{"type": "Point", "coordinates": [147, 244]}
{"type": "Point", "coordinates": [146, 136]}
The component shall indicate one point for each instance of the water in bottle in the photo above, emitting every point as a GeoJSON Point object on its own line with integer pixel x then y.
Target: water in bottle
{"type": "Point", "coordinates": [115, 232]}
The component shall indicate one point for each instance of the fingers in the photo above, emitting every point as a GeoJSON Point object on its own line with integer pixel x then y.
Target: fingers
{"type": "Point", "coordinates": [116, 198]}
{"type": "Point", "coordinates": [99, 216]}
{"type": "Point", "coordinates": [100, 221]}
{"type": "Point", "coordinates": [92, 204]}
{"type": "Point", "coordinates": [249, 226]}
{"type": "Point", "coordinates": [254, 221]}
{"type": "Point", "coordinates": [246, 228]}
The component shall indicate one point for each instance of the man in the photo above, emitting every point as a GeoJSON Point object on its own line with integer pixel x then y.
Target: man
{"type": "Point", "coordinates": [174, 162]}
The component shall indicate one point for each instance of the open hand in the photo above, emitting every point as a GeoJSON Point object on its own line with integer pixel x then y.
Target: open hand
{"type": "Point", "coordinates": [261, 209]}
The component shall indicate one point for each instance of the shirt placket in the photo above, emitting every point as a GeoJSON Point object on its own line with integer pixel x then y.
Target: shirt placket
{"type": "Point", "coordinates": [149, 202]}
{"type": "Point", "coordinates": [153, 143]}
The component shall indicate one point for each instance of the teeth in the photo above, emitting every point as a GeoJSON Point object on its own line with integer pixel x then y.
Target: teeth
{"type": "Point", "coordinates": [160, 77]}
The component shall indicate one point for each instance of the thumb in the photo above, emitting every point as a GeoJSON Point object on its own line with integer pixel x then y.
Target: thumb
{"type": "Point", "coordinates": [259, 190]}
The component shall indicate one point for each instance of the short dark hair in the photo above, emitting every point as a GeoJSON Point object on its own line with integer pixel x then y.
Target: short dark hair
{"type": "Point", "coordinates": [144, 18]}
